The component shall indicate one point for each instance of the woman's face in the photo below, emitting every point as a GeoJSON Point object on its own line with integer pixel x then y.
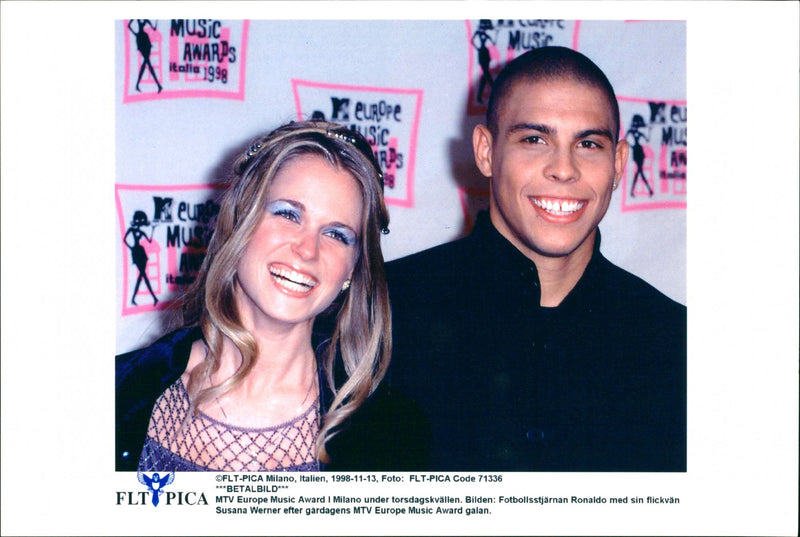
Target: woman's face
{"type": "Point", "coordinates": [305, 246]}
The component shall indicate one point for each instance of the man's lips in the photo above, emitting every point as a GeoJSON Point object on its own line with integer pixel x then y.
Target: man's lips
{"type": "Point", "coordinates": [292, 280]}
{"type": "Point", "coordinates": [558, 206]}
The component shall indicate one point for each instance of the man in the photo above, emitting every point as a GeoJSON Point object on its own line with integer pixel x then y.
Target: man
{"type": "Point", "coordinates": [526, 347]}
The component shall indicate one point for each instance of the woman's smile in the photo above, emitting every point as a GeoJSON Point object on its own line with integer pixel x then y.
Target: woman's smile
{"type": "Point", "coordinates": [292, 282]}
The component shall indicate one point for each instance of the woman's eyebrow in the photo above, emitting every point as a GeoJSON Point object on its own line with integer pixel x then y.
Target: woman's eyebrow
{"type": "Point", "coordinates": [344, 227]}
{"type": "Point", "coordinates": [293, 203]}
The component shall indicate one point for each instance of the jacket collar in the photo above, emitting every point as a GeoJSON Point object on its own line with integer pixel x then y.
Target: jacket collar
{"type": "Point", "coordinates": [510, 267]}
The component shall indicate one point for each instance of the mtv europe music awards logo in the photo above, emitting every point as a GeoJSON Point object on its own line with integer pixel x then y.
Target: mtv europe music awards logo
{"type": "Point", "coordinates": [164, 232]}
{"type": "Point", "coordinates": [387, 117]}
{"type": "Point", "coordinates": [494, 43]}
{"type": "Point", "coordinates": [655, 176]}
{"type": "Point", "coordinates": [174, 58]}
{"type": "Point", "coordinates": [155, 484]}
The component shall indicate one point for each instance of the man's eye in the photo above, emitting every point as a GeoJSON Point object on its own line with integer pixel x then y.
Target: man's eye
{"type": "Point", "coordinates": [589, 144]}
{"type": "Point", "coordinates": [533, 139]}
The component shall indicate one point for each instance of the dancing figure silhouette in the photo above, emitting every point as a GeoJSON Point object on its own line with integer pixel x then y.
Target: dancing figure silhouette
{"type": "Point", "coordinates": [139, 256]}
{"type": "Point", "coordinates": [483, 54]}
{"type": "Point", "coordinates": [638, 152]}
{"type": "Point", "coordinates": [144, 46]}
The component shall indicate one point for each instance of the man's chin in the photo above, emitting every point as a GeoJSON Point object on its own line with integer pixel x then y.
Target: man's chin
{"type": "Point", "coordinates": [553, 252]}
{"type": "Point", "coordinates": [560, 249]}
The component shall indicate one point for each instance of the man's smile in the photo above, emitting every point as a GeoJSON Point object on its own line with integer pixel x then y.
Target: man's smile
{"type": "Point", "coordinates": [558, 207]}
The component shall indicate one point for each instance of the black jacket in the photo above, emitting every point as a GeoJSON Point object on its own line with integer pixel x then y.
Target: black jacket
{"type": "Point", "coordinates": [377, 437]}
{"type": "Point", "coordinates": [595, 384]}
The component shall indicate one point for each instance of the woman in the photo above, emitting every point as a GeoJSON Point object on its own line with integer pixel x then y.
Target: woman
{"type": "Point", "coordinates": [297, 239]}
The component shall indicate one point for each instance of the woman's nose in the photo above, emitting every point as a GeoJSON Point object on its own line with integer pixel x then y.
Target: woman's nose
{"type": "Point", "coordinates": [306, 245]}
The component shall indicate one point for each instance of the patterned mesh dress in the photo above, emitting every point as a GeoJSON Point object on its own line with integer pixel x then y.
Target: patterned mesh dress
{"type": "Point", "coordinates": [206, 444]}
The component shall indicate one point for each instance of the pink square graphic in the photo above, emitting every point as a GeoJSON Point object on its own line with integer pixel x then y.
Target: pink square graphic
{"type": "Point", "coordinates": [160, 259]}
{"type": "Point", "coordinates": [196, 73]}
{"type": "Point", "coordinates": [403, 143]}
{"type": "Point", "coordinates": [659, 180]}
{"type": "Point", "coordinates": [493, 53]}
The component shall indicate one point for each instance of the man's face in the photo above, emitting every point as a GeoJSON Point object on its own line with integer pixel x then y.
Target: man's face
{"type": "Point", "coordinates": [552, 166]}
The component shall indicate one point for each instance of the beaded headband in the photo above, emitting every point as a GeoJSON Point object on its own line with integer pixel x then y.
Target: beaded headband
{"type": "Point", "coordinates": [360, 144]}
{"type": "Point", "coordinates": [341, 135]}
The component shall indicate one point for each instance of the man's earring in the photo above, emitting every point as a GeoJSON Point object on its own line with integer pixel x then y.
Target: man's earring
{"type": "Point", "coordinates": [346, 285]}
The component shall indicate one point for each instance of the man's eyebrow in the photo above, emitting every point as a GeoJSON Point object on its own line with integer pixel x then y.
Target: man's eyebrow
{"type": "Point", "coordinates": [595, 132]}
{"type": "Point", "coordinates": [544, 129]}
{"type": "Point", "coordinates": [547, 129]}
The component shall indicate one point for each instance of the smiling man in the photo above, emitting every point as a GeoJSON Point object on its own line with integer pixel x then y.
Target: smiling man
{"type": "Point", "coordinates": [526, 347]}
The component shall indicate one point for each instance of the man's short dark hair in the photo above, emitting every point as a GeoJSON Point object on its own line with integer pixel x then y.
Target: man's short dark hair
{"type": "Point", "coordinates": [548, 63]}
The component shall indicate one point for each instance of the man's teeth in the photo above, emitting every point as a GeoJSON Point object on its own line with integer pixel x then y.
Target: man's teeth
{"type": "Point", "coordinates": [292, 279]}
{"type": "Point", "coordinates": [560, 208]}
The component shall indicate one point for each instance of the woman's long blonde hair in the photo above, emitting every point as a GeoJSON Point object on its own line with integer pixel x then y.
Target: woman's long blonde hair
{"type": "Point", "coordinates": [361, 335]}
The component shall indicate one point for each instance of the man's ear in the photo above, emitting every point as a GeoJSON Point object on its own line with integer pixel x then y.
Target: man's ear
{"type": "Point", "coordinates": [620, 160]}
{"type": "Point", "coordinates": [482, 148]}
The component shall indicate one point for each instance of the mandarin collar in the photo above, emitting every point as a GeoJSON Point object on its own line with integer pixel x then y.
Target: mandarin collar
{"type": "Point", "coordinates": [500, 257]}
{"type": "Point", "coordinates": [509, 264]}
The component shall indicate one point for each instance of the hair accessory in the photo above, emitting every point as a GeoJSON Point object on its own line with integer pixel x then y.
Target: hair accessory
{"type": "Point", "coordinates": [346, 285]}
{"type": "Point", "coordinates": [253, 150]}
{"type": "Point", "coordinates": [385, 230]}
{"type": "Point", "coordinates": [341, 135]}
{"type": "Point", "coordinates": [360, 144]}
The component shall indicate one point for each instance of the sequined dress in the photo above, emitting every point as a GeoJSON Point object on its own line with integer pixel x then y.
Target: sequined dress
{"type": "Point", "coordinates": [206, 444]}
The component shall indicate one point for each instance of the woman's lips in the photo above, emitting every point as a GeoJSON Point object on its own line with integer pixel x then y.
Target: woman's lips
{"type": "Point", "coordinates": [292, 281]}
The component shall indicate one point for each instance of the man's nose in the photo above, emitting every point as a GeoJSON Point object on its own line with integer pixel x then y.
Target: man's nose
{"type": "Point", "coordinates": [561, 166]}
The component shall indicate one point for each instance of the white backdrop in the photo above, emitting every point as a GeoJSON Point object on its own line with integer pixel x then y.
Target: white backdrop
{"type": "Point", "coordinates": [58, 265]}
{"type": "Point", "coordinates": [411, 87]}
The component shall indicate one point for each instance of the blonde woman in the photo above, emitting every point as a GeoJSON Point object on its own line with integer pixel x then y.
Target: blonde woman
{"type": "Point", "coordinates": [242, 387]}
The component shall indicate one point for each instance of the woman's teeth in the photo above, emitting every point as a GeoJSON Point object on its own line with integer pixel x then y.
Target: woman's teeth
{"type": "Point", "coordinates": [292, 279]}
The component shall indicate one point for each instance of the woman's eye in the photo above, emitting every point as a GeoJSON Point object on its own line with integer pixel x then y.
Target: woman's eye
{"type": "Point", "coordinates": [284, 210]}
{"type": "Point", "coordinates": [289, 215]}
{"type": "Point", "coordinates": [342, 236]}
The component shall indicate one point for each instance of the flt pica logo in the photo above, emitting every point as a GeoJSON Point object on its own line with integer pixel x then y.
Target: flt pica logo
{"type": "Point", "coordinates": [155, 483]}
